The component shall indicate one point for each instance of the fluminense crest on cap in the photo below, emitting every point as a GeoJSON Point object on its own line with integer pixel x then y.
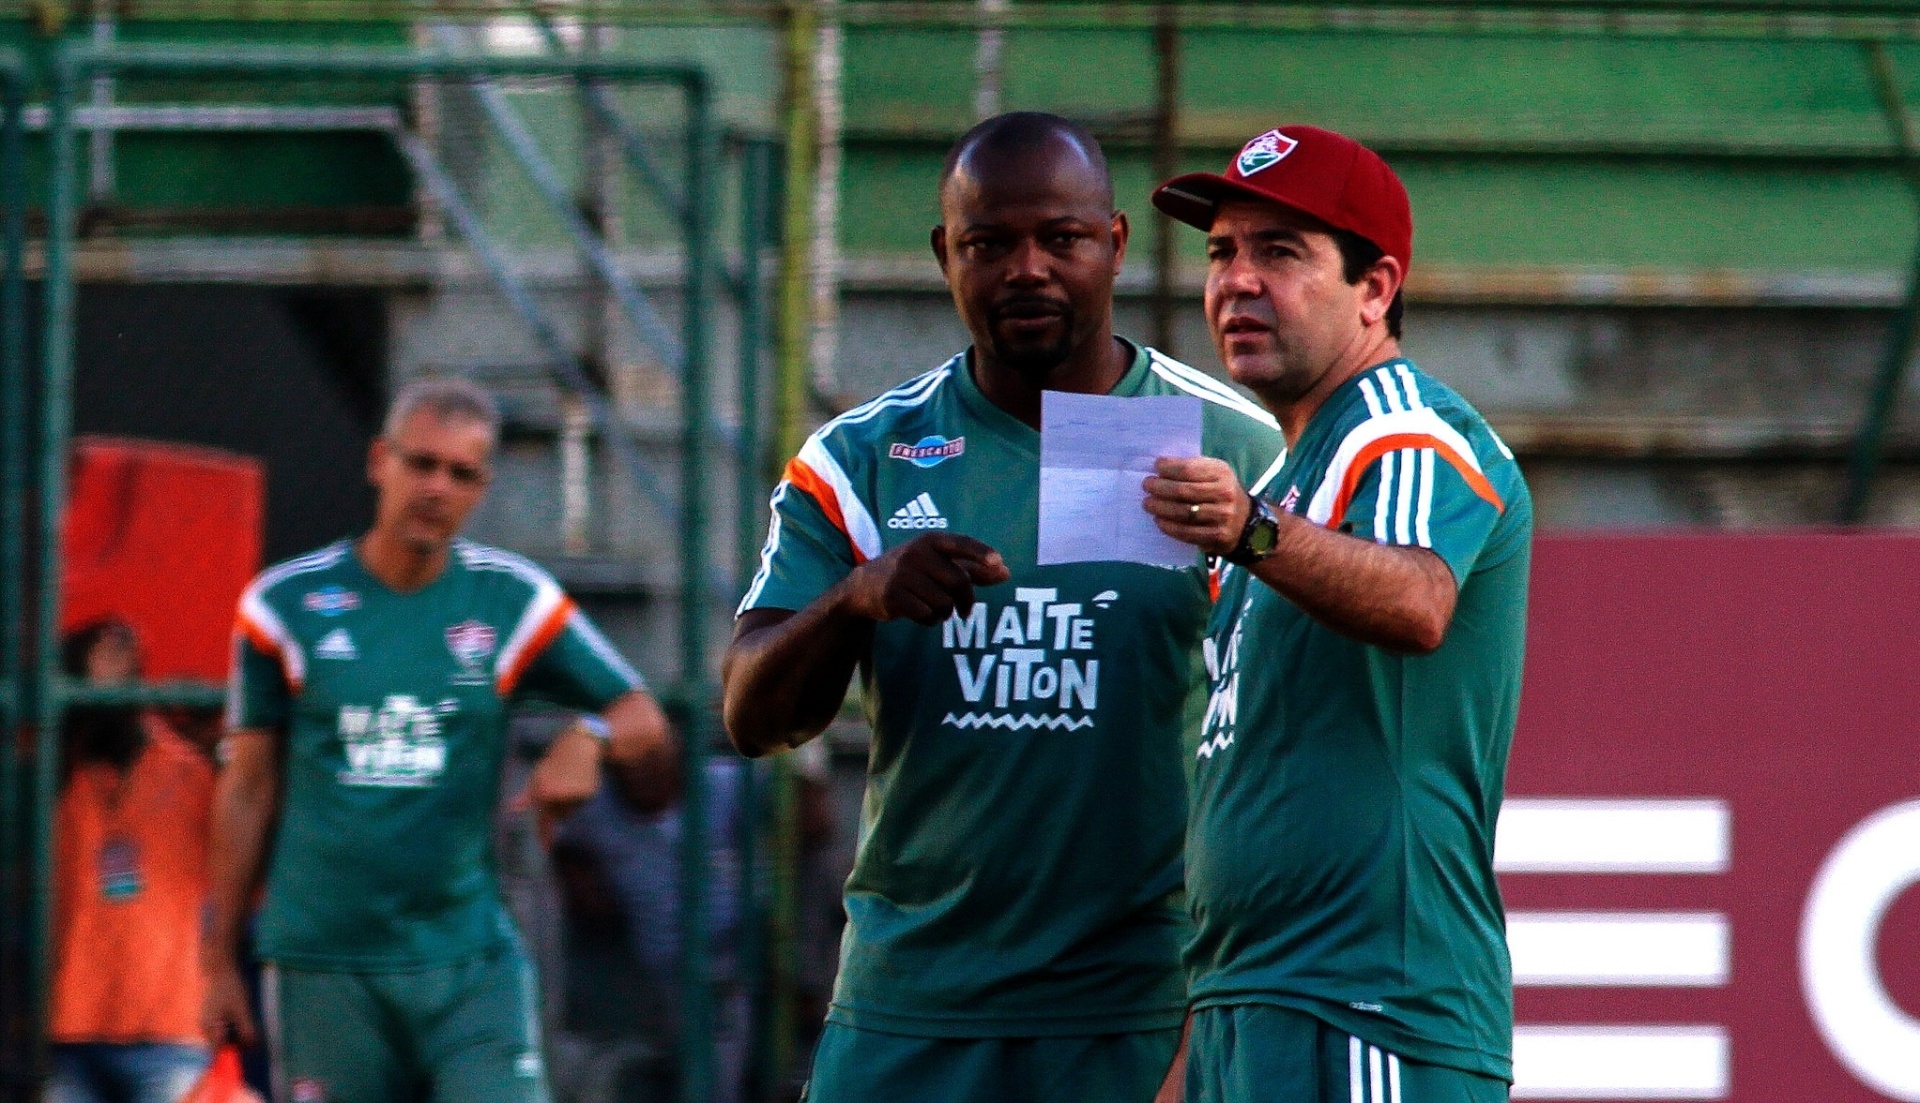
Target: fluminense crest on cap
{"type": "Point", "coordinates": [1264, 152]}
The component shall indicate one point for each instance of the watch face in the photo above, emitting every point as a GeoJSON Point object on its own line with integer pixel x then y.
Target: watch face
{"type": "Point", "coordinates": [1264, 535]}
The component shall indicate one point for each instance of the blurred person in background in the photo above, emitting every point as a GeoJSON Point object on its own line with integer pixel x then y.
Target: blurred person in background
{"type": "Point", "coordinates": [370, 695]}
{"type": "Point", "coordinates": [619, 864]}
{"type": "Point", "coordinates": [130, 871]}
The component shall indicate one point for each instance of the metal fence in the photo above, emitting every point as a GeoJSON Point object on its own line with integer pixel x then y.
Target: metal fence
{"type": "Point", "coordinates": [14, 482]}
{"type": "Point", "coordinates": [36, 398]}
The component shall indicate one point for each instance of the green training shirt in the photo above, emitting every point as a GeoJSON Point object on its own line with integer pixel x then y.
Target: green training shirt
{"type": "Point", "coordinates": [1019, 866]}
{"type": "Point", "coordinates": [394, 710]}
{"type": "Point", "coordinates": [1340, 854]}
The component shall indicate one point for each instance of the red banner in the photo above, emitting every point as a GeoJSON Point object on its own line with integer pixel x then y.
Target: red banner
{"type": "Point", "coordinates": [1712, 838]}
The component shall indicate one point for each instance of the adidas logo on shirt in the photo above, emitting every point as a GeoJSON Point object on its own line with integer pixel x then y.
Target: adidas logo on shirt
{"type": "Point", "coordinates": [920, 513]}
{"type": "Point", "coordinates": [336, 645]}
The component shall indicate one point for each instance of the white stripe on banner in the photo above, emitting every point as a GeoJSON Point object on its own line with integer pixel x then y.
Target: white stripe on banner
{"type": "Point", "coordinates": [1628, 949]}
{"type": "Point", "coordinates": [1636, 1063]}
{"type": "Point", "coordinates": [1613, 836]}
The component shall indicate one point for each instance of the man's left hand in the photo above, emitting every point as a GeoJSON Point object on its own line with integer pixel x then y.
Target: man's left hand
{"type": "Point", "coordinates": [1198, 501]}
{"type": "Point", "coordinates": [566, 777]}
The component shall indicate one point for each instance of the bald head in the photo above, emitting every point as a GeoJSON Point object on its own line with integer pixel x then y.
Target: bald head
{"type": "Point", "coordinates": [1019, 142]}
{"type": "Point", "coordinates": [1030, 244]}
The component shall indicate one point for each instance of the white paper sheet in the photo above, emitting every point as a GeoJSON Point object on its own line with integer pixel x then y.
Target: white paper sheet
{"type": "Point", "coordinates": [1094, 452]}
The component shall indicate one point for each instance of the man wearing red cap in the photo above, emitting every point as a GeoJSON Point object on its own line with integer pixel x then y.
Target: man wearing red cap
{"type": "Point", "coordinates": [1366, 658]}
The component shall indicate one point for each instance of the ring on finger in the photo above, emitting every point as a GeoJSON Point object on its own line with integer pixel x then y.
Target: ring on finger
{"type": "Point", "coordinates": [1193, 511]}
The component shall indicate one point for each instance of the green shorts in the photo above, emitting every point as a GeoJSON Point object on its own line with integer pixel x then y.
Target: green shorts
{"type": "Point", "coordinates": [862, 1066]}
{"type": "Point", "coordinates": [1258, 1053]}
{"type": "Point", "coordinates": [461, 1033]}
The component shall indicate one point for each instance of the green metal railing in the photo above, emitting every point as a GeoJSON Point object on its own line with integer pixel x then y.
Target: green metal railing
{"type": "Point", "coordinates": [42, 693]}
{"type": "Point", "coordinates": [13, 495]}
{"type": "Point", "coordinates": [1863, 463]}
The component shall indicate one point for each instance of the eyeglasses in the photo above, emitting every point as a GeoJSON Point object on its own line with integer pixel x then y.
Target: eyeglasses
{"type": "Point", "coordinates": [424, 465]}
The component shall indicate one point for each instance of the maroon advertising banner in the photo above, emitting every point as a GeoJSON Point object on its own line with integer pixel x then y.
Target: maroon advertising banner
{"type": "Point", "coordinates": [1711, 846]}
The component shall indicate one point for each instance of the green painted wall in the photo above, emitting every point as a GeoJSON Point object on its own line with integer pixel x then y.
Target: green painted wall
{"type": "Point", "coordinates": [230, 173]}
{"type": "Point", "coordinates": [1519, 150]}
{"type": "Point", "coordinates": [1563, 151]}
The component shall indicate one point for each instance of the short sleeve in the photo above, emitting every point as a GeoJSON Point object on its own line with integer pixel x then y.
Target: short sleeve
{"type": "Point", "coordinates": [1431, 493]}
{"type": "Point", "coordinates": [806, 552]}
{"type": "Point", "coordinates": [257, 692]}
{"type": "Point", "coordinates": [578, 667]}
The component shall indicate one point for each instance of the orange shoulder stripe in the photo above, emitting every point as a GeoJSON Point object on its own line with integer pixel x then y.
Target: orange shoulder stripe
{"type": "Point", "coordinates": [243, 625]}
{"type": "Point", "coordinates": [1357, 470]}
{"type": "Point", "coordinates": [808, 480]}
{"type": "Point", "coordinates": [550, 628]}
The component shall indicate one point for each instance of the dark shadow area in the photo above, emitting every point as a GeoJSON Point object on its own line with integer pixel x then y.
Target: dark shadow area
{"type": "Point", "coordinates": [294, 376]}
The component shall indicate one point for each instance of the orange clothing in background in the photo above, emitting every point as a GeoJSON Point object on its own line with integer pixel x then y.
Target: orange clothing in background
{"type": "Point", "coordinates": [130, 869]}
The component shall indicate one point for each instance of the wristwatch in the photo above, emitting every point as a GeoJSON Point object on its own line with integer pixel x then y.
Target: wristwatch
{"type": "Point", "coordinates": [1259, 538]}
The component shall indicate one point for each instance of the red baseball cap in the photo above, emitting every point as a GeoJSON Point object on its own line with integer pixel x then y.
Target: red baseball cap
{"type": "Point", "coordinates": [1329, 176]}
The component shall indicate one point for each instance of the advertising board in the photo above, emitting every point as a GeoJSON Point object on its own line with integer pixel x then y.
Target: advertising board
{"type": "Point", "coordinates": [1711, 846]}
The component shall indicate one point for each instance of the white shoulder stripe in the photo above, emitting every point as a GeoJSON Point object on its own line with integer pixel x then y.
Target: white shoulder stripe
{"type": "Point", "coordinates": [547, 596]}
{"type": "Point", "coordinates": [320, 560]}
{"type": "Point", "coordinates": [1382, 502]}
{"type": "Point", "coordinates": [767, 549]}
{"type": "Point", "coordinates": [1499, 443]}
{"type": "Point", "coordinates": [1196, 382]}
{"type": "Point", "coordinates": [1191, 374]}
{"type": "Point", "coordinates": [914, 392]}
{"type": "Point", "coordinates": [1389, 390]}
{"type": "Point", "coordinates": [1372, 394]}
{"type": "Point", "coordinates": [861, 528]}
{"type": "Point", "coordinates": [254, 607]}
{"type": "Point", "coordinates": [256, 611]}
{"type": "Point", "coordinates": [484, 557]}
{"type": "Point", "coordinates": [1407, 381]}
{"type": "Point", "coordinates": [603, 649]}
{"type": "Point", "coordinates": [1266, 477]}
{"type": "Point", "coordinates": [1421, 422]}
{"type": "Point", "coordinates": [1423, 511]}
{"type": "Point", "coordinates": [1403, 510]}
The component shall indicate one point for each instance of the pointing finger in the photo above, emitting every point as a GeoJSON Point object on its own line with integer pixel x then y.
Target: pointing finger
{"type": "Point", "coordinates": [955, 546]}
